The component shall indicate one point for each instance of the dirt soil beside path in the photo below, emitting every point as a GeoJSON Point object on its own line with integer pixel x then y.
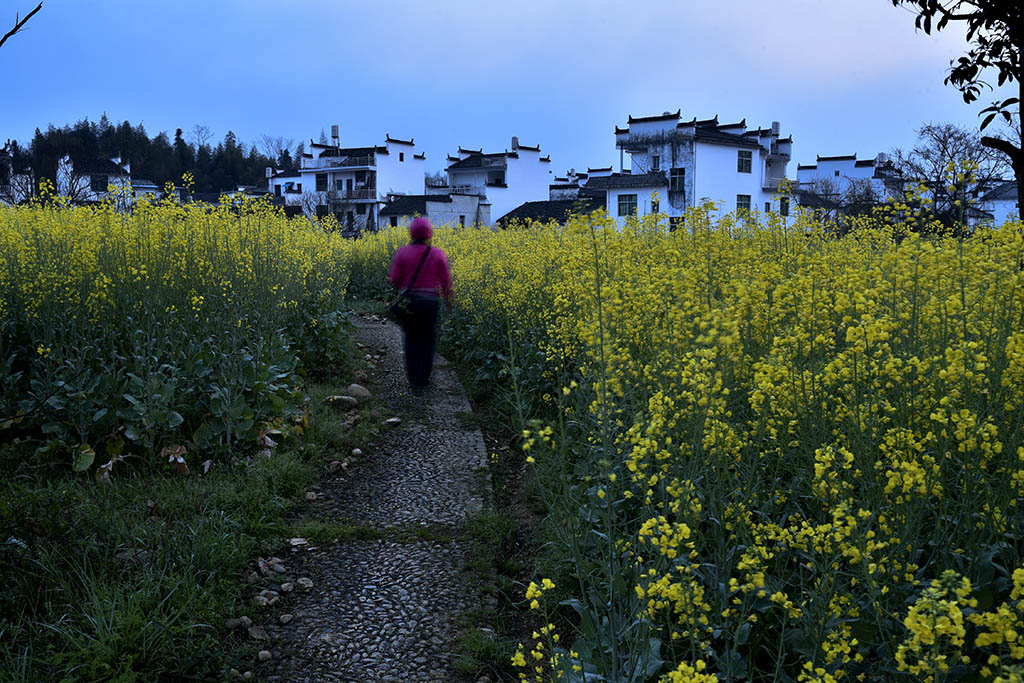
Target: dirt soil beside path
{"type": "Point", "coordinates": [386, 601]}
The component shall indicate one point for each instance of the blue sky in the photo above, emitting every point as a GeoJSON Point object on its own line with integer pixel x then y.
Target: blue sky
{"type": "Point", "coordinates": [842, 76]}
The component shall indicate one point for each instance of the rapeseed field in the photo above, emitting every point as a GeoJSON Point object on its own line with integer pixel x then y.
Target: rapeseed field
{"type": "Point", "coordinates": [767, 452]}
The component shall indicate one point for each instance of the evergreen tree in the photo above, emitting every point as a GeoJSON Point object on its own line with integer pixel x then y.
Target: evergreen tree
{"type": "Point", "coordinates": [284, 160]}
{"type": "Point", "coordinates": [184, 156]}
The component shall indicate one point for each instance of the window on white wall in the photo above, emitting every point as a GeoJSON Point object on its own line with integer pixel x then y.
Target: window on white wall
{"type": "Point", "coordinates": [744, 161]}
{"type": "Point", "coordinates": [655, 206]}
{"type": "Point", "coordinates": [401, 156]}
{"type": "Point", "coordinates": [627, 204]}
{"type": "Point", "coordinates": [676, 179]}
{"type": "Point", "coordinates": [784, 206]}
{"type": "Point", "coordinates": [655, 163]}
{"type": "Point", "coordinates": [743, 203]}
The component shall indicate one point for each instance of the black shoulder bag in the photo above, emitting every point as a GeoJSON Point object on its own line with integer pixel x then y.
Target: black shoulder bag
{"type": "Point", "coordinates": [400, 308]}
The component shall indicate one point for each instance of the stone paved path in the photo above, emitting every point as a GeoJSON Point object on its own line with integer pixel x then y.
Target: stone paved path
{"type": "Point", "coordinates": [387, 609]}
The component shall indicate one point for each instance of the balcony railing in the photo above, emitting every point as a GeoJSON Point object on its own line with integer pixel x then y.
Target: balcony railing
{"type": "Point", "coordinates": [468, 189]}
{"type": "Point", "coordinates": [772, 183]}
{"type": "Point", "coordinates": [353, 193]}
{"type": "Point", "coordinates": [341, 162]}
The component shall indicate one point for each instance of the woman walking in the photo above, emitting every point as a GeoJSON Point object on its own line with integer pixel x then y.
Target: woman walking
{"type": "Point", "coordinates": [422, 270]}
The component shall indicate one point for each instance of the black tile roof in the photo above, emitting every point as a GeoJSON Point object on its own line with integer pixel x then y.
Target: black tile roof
{"type": "Point", "coordinates": [476, 160]}
{"type": "Point", "coordinates": [410, 204]}
{"type": "Point", "coordinates": [621, 131]}
{"type": "Point", "coordinates": [814, 200]}
{"type": "Point", "coordinates": [420, 156]}
{"type": "Point", "coordinates": [286, 174]}
{"type": "Point", "coordinates": [388, 138]}
{"type": "Point", "coordinates": [864, 163]}
{"type": "Point", "coordinates": [98, 166]}
{"type": "Point", "coordinates": [802, 167]}
{"type": "Point", "coordinates": [546, 159]}
{"type": "Point", "coordinates": [717, 137]}
{"type": "Point", "coordinates": [563, 186]}
{"type": "Point", "coordinates": [599, 170]}
{"type": "Point", "coordinates": [529, 149]}
{"type": "Point", "coordinates": [741, 124]}
{"type": "Point", "coordinates": [1007, 190]}
{"type": "Point", "coordinates": [463, 150]}
{"type": "Point", "coordinates": [140, 182]}
{"type": "Point", "coordinates": [842, 157]}
{"type": "Point", "coordinates": [646, 119]}
{"type": "Point", "coordinates": [558, 210]}
{"type": "Point", "coordinates": [627, 180]}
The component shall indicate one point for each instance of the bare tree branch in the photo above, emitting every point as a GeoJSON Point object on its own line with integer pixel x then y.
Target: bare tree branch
{"type": "Point", "coordinates": [19, 25]}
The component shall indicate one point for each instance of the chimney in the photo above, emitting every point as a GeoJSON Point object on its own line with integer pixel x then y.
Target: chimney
{"type": "Point", "coordinates": [776, 128]}
{"type": "Point", "coordinates": [515, 142]}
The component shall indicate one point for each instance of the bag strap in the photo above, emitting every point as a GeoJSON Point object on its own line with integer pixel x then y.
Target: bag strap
{"type": "Point", "coordinates": [426, 252]}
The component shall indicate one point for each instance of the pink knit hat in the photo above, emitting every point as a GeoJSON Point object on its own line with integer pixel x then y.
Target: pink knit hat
{"type": "Point", "coordinates": [420, 229]}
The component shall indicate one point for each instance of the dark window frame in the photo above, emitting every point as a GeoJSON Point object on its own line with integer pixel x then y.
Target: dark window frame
{"type": "Point", "coordinates": [744, 164]}
{"type": "Point", "coordinates": [677, 181]}
{"type": "Point", "coordinates": [625, 200]}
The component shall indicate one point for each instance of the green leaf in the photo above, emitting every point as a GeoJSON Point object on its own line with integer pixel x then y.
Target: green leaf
{"type": "Point", "coordinates": [84, 457]}
{"type": "Point", "coordinates": [204, 433]}
{"type": "Point", "coordinates": [174, 419]}
{"type": "Point", "coordinates": [53, 428]}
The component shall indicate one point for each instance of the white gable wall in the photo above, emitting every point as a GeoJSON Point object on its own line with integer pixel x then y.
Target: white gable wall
{"type": "Point", "coordinates": [527, 178]}
{"type": "Point", "coordinates": [399, 171]}
{"type": "Point", "coordinates": [718, 179]}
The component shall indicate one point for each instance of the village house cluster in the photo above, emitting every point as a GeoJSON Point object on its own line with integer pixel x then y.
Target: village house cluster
{"type": "Point", "coordinates": [673, 164]}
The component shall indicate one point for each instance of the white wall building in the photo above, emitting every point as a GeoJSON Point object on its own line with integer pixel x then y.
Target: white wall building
{"type": "Point", "coordinates": [146, 188]}
{"type": "Point", "coordinates": [285, 184]}
{"type": "Point", "coordinates": [440, 209]}
{"type": "Point", "coordinates": [1002, 203]}
{"type": "Point", "coordinates": [353, 183]}
{"type": "Point", "coordinates": [503, 180]}
{"type": "Point", "coordinates": [690, 162]}
{"type": "Point", "coordinates": [91, 181]}
{"type": "Point", "coordinates": [832, 177]}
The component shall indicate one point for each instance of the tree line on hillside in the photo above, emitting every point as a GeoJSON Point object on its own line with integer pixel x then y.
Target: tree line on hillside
{"type": "Point", "coordinates": [215, 166]}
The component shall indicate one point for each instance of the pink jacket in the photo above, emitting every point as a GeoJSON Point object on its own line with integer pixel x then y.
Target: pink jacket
{"type": "Point", "coordinates": [435, 277]}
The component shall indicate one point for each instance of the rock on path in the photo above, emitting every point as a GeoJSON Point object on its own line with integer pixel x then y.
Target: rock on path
{"type": "Point", "coordinates": [387, 609]}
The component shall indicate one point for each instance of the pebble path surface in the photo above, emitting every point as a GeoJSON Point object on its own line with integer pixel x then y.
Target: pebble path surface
{"type": "Point", "coordinates": [388, 608]}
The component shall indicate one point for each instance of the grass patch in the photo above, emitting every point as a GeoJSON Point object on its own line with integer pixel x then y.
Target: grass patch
{"type": "Point", "coordinates": [133, 581]}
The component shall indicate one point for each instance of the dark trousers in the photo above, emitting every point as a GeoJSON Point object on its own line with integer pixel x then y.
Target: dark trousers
{"type": "Point", "coordinates": [420, 335]}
